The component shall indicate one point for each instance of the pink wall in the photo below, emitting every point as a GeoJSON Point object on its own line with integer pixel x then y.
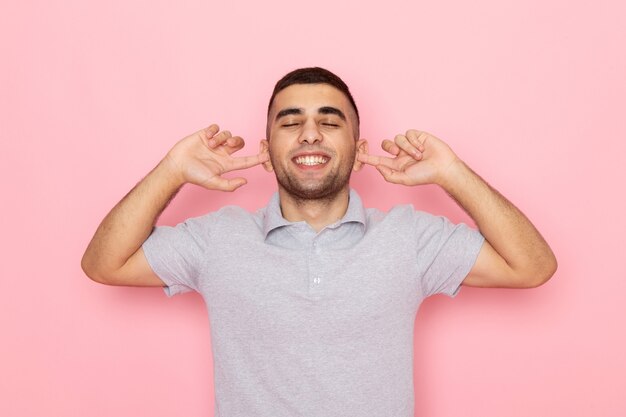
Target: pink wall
{"type": "Point", "coordinates": [530, 93]}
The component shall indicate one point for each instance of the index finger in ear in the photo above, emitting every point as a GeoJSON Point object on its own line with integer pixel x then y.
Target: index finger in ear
{"type": "Point", "coordinates": [244, 162]}
{"type": "Point", "coordinates": [375, 160]}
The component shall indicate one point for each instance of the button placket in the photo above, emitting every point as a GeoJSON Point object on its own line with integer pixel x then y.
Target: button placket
{"type": "Point", "coordinates": [315, 271]}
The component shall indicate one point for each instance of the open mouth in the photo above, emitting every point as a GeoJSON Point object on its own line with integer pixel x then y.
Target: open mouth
{"type": "Point", "coordinates": [311, 160]}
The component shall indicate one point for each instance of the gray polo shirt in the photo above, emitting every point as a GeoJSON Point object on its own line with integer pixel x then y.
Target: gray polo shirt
{"type": "Point", "coordinates": [313, 324]}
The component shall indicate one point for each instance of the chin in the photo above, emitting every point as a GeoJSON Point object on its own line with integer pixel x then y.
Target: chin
{"type": "Point", "coordinates": [326, 191]}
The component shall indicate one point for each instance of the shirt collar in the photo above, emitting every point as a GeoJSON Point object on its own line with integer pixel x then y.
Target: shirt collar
{"type": "Point", "coordinates": [274, 219]}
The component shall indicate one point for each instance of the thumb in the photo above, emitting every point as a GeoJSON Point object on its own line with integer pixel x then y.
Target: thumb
{"type": "Point", "coordinates": [226, 184]}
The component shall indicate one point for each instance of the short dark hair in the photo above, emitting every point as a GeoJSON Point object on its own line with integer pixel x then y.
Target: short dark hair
{"type": "Point", "coordinates": [313, 75]}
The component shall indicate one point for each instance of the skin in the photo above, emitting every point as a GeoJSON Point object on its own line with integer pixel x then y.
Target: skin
{"type": "Point", "coordinates": [514, 254]}
{"type": "Point", "coordinates": [114, 255]}
{"type": "Point", "coordinates": [312, 119]}
{"type": "Point", "coordinates": [300, 123]}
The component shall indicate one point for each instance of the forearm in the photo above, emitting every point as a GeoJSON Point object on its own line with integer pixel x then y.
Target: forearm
{"type": "Point", "coordinates": [503, 225]}
{"type": "Point", "coordinates": [130, 222]}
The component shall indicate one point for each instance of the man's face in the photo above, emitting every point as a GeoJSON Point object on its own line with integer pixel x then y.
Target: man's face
{"type": "Point", "coordinates": [311, 141]}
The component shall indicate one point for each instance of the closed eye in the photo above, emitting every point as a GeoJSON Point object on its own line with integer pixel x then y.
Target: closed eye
{"type": "Point", "coordinates": [290, 124]}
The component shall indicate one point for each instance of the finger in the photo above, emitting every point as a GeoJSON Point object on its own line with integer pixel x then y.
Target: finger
{"type": "Point", "coordinates": [210, 131]}
{"type": "Point", "coordinates": [245, 162]}
{"type": "Point", "coordinates": [403, 142]}
{"type": "Point", "coordinates": [375, 160]}
{"type": "Point", "coordinates": [233, 144]}
{"type": "Point", "coordinates": [391, 175]}
{"type": "Point", "coordinates": [389, 146]}
{"type": "Point", "coordinates": [416, 138]}
{"type": "Point", "coordinates": [227, 184]}
{"type": "Point", "coordinates": [219, 139]}
{"type": "Point", "coordinates": [207, 133]}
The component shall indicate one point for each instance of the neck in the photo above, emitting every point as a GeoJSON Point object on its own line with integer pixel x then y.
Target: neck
{"type": "Point", "coordinates": [318, 213]}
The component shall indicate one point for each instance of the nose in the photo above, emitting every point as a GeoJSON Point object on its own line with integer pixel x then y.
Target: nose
{"type": "Point", "coordinates": [310, 134]}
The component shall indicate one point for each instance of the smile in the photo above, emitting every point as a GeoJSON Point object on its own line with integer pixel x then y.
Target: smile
{"type": "Point", "coordinates": [311, 160]}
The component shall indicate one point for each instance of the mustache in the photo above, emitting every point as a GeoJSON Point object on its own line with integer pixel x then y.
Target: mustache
{"type": "Point", "coordinates": [311, 148]}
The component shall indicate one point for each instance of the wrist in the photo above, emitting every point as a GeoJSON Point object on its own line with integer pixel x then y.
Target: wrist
{"type": "Point", "coordinates": [169, 170]}
{"type": "Point", "coordinates": [453, 175]}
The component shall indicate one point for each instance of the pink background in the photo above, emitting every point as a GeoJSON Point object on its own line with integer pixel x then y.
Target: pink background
{"type": "Point", "coordinates": [532, 94]}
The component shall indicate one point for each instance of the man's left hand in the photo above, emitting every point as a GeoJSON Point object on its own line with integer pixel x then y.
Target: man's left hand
{"type": "Point", "coordinates": [418, 158]}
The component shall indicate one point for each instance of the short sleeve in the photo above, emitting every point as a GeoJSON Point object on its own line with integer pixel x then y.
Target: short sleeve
{"type": "Point", "coordinates": [176, 255]}
{"type": "Point", "coordinates": [446, 253]}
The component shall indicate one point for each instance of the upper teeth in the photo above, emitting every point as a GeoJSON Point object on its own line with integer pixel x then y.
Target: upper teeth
{"type": "Point", "coordinates": [311, 160]}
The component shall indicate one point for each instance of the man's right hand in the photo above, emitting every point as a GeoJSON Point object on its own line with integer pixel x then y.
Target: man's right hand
{"type": "Point", "coordinates": [201, 159]}
{"type": "Point", "coordinates": [114, 255]}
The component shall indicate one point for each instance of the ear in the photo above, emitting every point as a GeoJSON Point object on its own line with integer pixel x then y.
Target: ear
{"type": "Point", "coordinates": [361, 148]}
{"type": "Point", "coordinates": [265, 148]}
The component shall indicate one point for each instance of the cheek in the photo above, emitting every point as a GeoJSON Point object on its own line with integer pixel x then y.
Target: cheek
{"type": "Point", "coordinates": [281, 142]}
{"type": "Point", "coordinates": [279, 139]}
{"type": "Point", "coordinates": [349, 148]}
{"type": "Point", "coordinates": [276, 150]}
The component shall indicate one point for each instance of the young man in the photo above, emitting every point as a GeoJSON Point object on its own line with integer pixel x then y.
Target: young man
{"type": "Point", "coordinates": [312, 299]}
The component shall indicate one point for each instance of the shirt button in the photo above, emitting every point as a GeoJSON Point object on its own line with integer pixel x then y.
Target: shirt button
{"type": "Point", "coordinates": [317, 280]}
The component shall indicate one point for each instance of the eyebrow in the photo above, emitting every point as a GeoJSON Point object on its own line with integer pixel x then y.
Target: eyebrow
{"type": "Point", "coordinates": [287, 112]}
{"type": "Point", "coordinates": [332, 110]}
{"type": "Point", "coordinates": [322, 110]}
